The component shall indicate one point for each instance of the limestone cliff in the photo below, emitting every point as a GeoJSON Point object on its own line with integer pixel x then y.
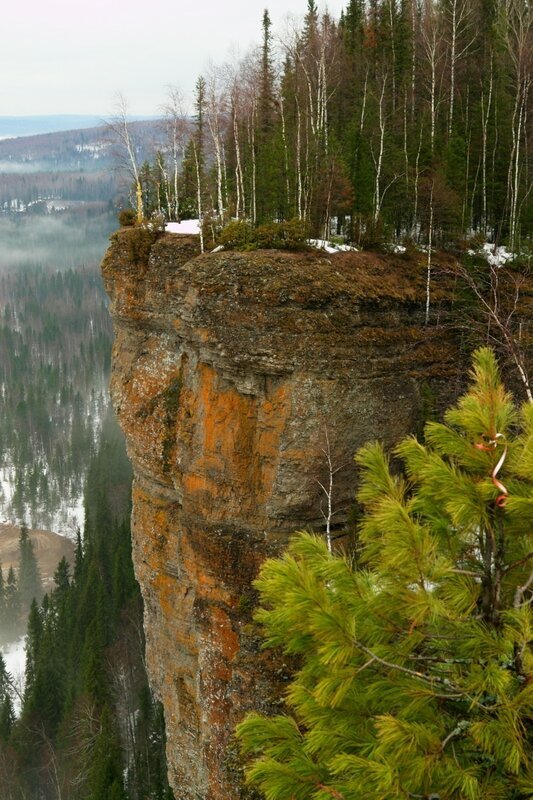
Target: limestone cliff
{"type": "Point", "coordinates": [228, 371]}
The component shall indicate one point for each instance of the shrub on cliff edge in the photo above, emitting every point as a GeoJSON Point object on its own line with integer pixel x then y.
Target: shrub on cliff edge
{"type": "Point", "coordinates": [127, 217]}
{"type": "Point", "coordinates": [287, 235]}
{"type": "Point", "coordinates": [416, 669]}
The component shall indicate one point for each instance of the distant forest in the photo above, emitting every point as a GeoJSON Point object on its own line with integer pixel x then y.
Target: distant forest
{"type": "Point", "coordinates": [77, 166]}
{"type": "Point", "coordinates": [403, 118]}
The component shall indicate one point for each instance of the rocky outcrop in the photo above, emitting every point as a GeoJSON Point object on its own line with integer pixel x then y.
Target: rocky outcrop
{"type": "Point", "coordinates": [231, 372]}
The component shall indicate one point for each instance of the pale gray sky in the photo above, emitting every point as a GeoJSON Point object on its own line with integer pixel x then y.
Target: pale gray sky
{"type": "Point", "coordinates": [68, 56]}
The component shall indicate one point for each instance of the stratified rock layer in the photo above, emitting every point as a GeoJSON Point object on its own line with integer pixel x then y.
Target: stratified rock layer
{"type": "Point", "coordinates": [231, 373]}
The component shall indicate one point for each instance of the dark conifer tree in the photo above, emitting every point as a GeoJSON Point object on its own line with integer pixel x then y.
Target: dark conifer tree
{"type": "Point", "coordinates": [7, 715]}
{"type": "Point", "coordinates": [12, 603]}
{"type": "Point", "coordinates": [34, 637]}
{"type": "Point", "coordinates": [29, 579]}
{"type": "Point", "coordinates": [105, 769]}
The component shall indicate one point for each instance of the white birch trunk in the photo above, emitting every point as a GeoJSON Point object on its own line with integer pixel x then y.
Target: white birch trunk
{"type": "Point", "coordinates": [430, 243]}
{"type": "Point", "coordinates": [485, 115]}
{"type": "Point", "coordinates": [285, 154]}
{"type": "Point", "coordinates": [199, 195]}
{"type": "Point", "coordinates": [379, 162]}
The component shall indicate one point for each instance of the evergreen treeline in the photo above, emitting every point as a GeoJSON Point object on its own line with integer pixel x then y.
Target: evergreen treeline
{"type": "Point", "coordinates": [55, 342]}
{"type": "Point", "coordinates": [89, 727]}
{"type": "Point", "coordinates": [403, 118]}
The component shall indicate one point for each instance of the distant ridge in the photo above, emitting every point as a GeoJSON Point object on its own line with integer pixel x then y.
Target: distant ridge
{"type": "Point", "coordinates": [13, 127]}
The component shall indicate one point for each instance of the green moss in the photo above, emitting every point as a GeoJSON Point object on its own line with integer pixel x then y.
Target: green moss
{"type": "Point", "coordinates": [246, 604]}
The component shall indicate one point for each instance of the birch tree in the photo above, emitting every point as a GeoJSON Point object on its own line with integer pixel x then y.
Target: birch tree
{"type": "Point", "coordinates": [519, 41]}
{"type": "Point", "coordinates": [177, 128]}
{"type": "Point", "coordinates": [121, 130]}
{"type": "Point", "coordinates": [215, 116]}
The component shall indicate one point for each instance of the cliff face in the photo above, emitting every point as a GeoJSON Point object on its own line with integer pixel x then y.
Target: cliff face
{"type": "Point", "coordinates": [231, 372]}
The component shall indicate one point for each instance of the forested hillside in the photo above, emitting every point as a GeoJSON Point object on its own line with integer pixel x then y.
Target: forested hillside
{"type": "Point", "coordinates": [88, 725]}
{"type": "Point", "coordinates": [55, 337]}
{"type": "Point", "coordinates": [398, 120]}
{"type": "Point", "coordinates": [67, 169]}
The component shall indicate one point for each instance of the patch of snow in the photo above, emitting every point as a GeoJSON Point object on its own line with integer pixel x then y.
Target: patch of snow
{"type": "Point", "coordinates": [187, 226]}
{"type": "Point", "coordinates": [218, 249]}
{"type": "Point", "coordinates": [51, 206]}
{"type": "Point", "coordinates": [394, 248]}
{"type": "Point", "coordinates": [15, 659]}
{"type": "Point", "coordinates": [331, 247]}
{"type": "Point", "coordinates": [92, 148]}
{"type": "Point", "coordinates": [346, 248]}
{"type": "Point", "coordinates": [497, 256]}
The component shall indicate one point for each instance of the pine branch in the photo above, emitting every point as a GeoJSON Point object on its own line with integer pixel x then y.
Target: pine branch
{"type": "Point", "coordinates": [518, 563]}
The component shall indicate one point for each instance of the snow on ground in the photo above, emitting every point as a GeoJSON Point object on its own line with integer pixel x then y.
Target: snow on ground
{"type": "Point", "coordinates": [64, 520]}
{"type": "Point", "coordinates": [331, 247]}
{"type": "Point", "coordinates": [187, 226]}
{"type": "Point", "coordinates": [497, 256]}
{"type": "Point", "coordinates": [69, 517]}
{"type": "Point", "coordinates": [15, 660]}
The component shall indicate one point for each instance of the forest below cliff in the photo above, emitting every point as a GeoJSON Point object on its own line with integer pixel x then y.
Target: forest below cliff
{"type": "Point", "coordinates": [83, 722]}
{"type": "Point", "coordinates": [77, 718]}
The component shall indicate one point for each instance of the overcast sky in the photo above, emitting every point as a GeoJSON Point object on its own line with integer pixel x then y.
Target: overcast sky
{"type": "Point", "coordinates": [68, 56]}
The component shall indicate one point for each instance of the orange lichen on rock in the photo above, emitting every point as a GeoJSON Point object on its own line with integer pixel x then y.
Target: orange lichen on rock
{"type": "Point", "coordinates": [237, 446]}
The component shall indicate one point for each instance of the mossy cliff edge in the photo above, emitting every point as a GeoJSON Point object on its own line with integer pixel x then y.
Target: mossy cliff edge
{"type": "Point", "coordinates": [228, 370]}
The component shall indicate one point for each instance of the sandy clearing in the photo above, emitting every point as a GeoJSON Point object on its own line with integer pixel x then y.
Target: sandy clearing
{"type": "Point", "coordinates": [49, 549]}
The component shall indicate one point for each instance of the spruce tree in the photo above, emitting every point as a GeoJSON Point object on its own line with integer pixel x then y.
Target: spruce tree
{"type": "Point", "coordinates": [29, 578]}
{"type": "Point", "coordinates": [12, 604]}
{"type": "Point", "coordinates": [266, 91]}
{"type": "Point", "coordinates": [7, 715]}
{"type": "Point", "coordinates": [416, 665]}
{"type": "Point", "coordinates": [105, 768]}
{"type": "Point", "coordinates": [34, 638]}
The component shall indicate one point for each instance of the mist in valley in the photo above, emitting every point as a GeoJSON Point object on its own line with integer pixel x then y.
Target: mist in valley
{"type": "Point", "coordinates": [63, 239]}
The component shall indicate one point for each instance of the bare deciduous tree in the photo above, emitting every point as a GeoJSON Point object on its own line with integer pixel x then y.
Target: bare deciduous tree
{"type": "Point", "coordinates": [120, 127]}
{"type": "Point", "coordinates": [177, 130]}
{"type": "Point", "coordinates": [498, 295]}
{"type": "Point", "coordinates": [327, 488]}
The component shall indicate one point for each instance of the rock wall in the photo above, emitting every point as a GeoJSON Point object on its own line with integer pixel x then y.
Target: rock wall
{"type": "Point", "coordinates": [230, 374]}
